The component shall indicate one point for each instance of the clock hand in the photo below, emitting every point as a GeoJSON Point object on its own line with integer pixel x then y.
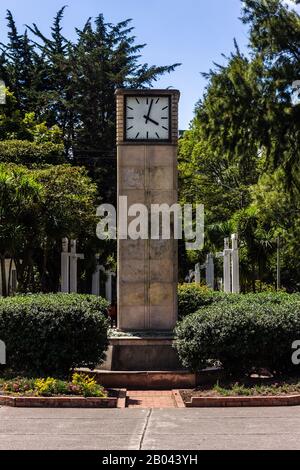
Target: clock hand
{"type": "Point", "coordinates": [149, 111]}
{"type": "Point", "coordinates": [152, 120]}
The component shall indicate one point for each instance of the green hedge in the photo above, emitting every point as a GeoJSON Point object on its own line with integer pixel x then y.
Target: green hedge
{"type": "Point", "coordinates": [193, 296]}
{"type": "Point", "coordinates": [51, 334]}
{"type": "Point", "coordinates": [243, 333]}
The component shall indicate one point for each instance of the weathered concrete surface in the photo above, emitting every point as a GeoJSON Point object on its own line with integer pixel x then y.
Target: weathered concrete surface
{"type": "Point", "coordinates": [142, 354]}
{"type": "Point", "coordinates": [147, 269]}
{"type": "Point", "coordinates": [72, 429]}
{"type": "Point", "coordinates": [175, 429]}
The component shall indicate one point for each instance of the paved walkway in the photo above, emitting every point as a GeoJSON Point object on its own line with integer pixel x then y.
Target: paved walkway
{"type": "Point", "coordinates": [153, 429]}
{"type": "Point", "coordinates": [150, 399]}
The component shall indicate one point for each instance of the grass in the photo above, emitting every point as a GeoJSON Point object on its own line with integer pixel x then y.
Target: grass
{"type": "Point", "coordinates": [253, 386]}
{"type": "Point", "coordinates": [238, 389]}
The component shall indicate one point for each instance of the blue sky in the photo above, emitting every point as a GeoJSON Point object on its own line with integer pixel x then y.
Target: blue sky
{"type": "Point", "coordinates": [193, 32]}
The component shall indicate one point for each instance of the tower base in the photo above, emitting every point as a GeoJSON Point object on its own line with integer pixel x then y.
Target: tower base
{"type": "Point", "coordinates": [141, 351]}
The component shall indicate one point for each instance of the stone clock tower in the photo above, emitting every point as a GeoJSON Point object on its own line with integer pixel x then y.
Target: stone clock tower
{"type": "Point", "coordinates": [147, 134]}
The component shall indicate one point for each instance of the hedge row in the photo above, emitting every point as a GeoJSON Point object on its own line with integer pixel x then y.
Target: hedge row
{"type": "Point", "coordinates": [192, 297]}
{"type": "Point", "coordinates": [243, 333]}
{"type": "Point", "coordinates": [51, 334]}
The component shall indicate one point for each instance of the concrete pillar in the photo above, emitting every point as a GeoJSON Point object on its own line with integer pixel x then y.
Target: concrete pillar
{"type": "Point", "coordinates": [227, 266]}
{"type": "Point", "coordinates": [197, 273]}
{"type": "Point", "coordinates": [147, 268]}
{"type": "Point", "coordinates": [96, 281]}
{"type": "Point", "coordinates": [74, 257]}
{"type": "Point", "coordinates": [235, 265]}
{"type": "Point", "coordinates": [108, 287]}
{"type": "Point", "coordinates": [65, 266]}
{"type": "Point", "coordinates": [210, 271]}
{"type": "Point", "coordinates": [73, 267]}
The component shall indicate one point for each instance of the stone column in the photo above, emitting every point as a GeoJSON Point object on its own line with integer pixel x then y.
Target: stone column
{"type": "Point", "coordinates": [235, 264]}
{"type": "Point", "coordinates": [73, 267]}
{"type": "Point", "coordinates": [96, 281]}
{"type": "Point", "coordinates": [197, 273]}
{"type": "Point", "coordinates": [227, 266]}
{"type": "Point", "coordinates": [74, 257]}
{"type": "Point", "coordinates": [108, 287]}
{"type": "Point", "coordinates": [210, 271]}
{"type": "Point", "coordinates": [65, 266]}
{"type": "Point", "coordinates": [147, 269]}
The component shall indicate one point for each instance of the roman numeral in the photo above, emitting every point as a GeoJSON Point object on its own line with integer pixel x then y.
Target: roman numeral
{"type": "Point", "coordinates": [164, 127]}
{"type": "Point", "coordinates": [130, 117]}
{"type": "Point", "coordinates": [130, 108]}
{"type": "Point", "coordinates": [164, 118]}
{"type": "Point", "coordinates": [157, 100]}
{"type": "Point", "coordinates": [157, 135]}
{"type": "Point", "coordinates": [137, 101]}
{"type": "Point", "coordinates": [128, 128]}
{"type": "Point", "coordinates": [137, 135]}
{"type": "Point", "coordinates": [166, 107]}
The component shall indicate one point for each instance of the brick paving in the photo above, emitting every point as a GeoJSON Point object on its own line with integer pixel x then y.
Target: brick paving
{"type": "Point", "coordinates": [150, 399]}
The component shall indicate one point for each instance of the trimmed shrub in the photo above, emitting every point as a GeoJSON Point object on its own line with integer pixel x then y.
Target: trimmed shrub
{"type": "Point", "coordinates": [51, 334]}
{"type": "Point", "coordinates": [193, 296]}
{"type": "Point", "coordinates": [249, 333]}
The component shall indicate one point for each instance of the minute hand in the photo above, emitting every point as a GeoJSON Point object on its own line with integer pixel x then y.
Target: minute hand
{"type": "Point", "coordinates": [152, 120]}
{"type": "Point", "coordinates": [149, 111]}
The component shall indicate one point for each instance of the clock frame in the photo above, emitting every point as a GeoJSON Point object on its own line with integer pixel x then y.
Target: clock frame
{"type": "Point", "coordinates": [151, 140]}
{"type": "Point", "coordinates": [121, 95]}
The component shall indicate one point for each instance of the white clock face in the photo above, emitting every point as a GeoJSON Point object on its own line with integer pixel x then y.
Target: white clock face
{"type": "Point", "coordinates": [147, 118]}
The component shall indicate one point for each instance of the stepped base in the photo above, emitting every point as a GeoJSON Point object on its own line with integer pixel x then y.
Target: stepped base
{"type": "Point", "coordinates": [141, 352]}
{"type": "Point", "coordinates": [154, 380]}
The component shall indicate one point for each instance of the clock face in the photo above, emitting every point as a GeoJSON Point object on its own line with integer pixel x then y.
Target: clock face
{"type": "Point", "coordinates": [147, 118]}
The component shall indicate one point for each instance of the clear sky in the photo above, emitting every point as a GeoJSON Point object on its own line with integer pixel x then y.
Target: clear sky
{"type": "Point", "coordinates": [193, 32]}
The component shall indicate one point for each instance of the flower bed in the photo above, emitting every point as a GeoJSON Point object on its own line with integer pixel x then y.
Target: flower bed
{"type": "Point", "coordinates": [80, 391]}
{"type": "Point", "coordinates": [253, 392]}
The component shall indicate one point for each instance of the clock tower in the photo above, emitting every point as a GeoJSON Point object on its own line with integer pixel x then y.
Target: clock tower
{"type": "Point", "coordinates": [147, 133]}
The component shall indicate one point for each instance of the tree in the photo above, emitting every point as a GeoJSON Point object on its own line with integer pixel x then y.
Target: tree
{"type": "Point", "coordinates": [219, 155]}
{"type": "Point", "coordinates": [19, 195]}
{"type": "Point", "coordinates": [75, 88]}
{"type": "Point", "coordinates": [241, 153]}
{"type": "Point", "coordinates": [275, 39]}
{"type": "Point", "coordinates": [38, 207]}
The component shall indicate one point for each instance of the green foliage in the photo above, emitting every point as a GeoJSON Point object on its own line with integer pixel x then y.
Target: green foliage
{"type": "Point", "coordinates": [69, 331]}
{"type": "Point", "coordinates": [38, 207]}
{"type": "Point", "coordinates": [241, 156]}
{"type": "Point", "coordinates": [71, 85]}
{"type": "Point", "coordinates": [23, 152]}
{"type": "Point", "coordinates": [193, 296]}
{"type": "Point", "coordinates": [246, 390]}
{"type": "Point", "coordinates": [87, 385]}
{"type": "Point", "coordinates": [81, 385]}
{"type": "Point", "coordinates": [243, 333]}
{"type": "Point", "coordinates": [17, 125]}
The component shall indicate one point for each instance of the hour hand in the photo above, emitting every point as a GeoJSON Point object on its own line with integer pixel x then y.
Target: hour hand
{"type": "Point", "coordinates": [151, 120]}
